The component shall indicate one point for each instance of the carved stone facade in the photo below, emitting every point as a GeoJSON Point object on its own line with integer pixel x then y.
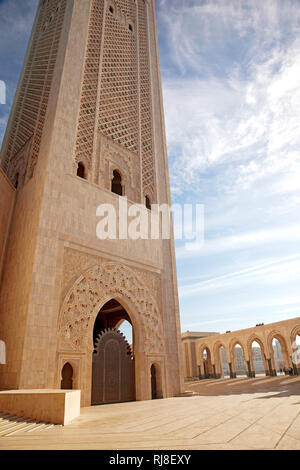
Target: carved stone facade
{"type": "Point", "coordinates": [89, 93]}
{"type": "Point", "coordinates": [90, 292]}
{"type": "Point", "coordinates": [85, 289]}
{"type": "Point", "coordinates": [112, 156]}
{"type": "Point", "coordinates": [116, 99]}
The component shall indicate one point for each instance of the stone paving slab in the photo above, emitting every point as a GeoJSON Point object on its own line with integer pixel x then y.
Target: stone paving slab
{"type": "Point", "coordinates": [239, 414]}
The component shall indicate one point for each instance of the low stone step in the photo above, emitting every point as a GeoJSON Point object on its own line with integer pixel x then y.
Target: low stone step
{"type": "Point", "coordinates": [11, 425]}
{"type": "Point", "coordinates": [18, 427]}
{"type": "Point", "coordinates": [188, 393]}
{"type": "Point", "coordinates": [41, 427]}
{"type": "Point", "coordinates": [10, 422]}
{"type": "Point", "coordinates": [26, 428]}
{"type": "Point", "coordinates": [5, 415]}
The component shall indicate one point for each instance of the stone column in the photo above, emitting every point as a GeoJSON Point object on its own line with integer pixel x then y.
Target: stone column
{"type": "Point", "coordinates": [251, 373]}
{"type": "Point", "coordinates": [272, 372]}
{"type": "Point", "coordinates": [294, 367]}
{"type": "Point", "coordinates": [232, 373]}
{"type": "Point", "coordinates": [205, 370]}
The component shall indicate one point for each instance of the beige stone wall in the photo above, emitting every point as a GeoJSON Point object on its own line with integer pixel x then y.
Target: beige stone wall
{"type": "Point", "coordinates": [16, 289]}
{"type": "Point", "coordinates": [16, 281]}
{"type": "Point", "coordinates": [7, 198]}
{"type": "Point", "coordinates": [57, 250]}
{"type": "Point", "coordinates": [50, 406]}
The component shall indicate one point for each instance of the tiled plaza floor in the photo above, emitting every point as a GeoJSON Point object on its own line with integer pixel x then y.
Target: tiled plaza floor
{"type": "Point", "coordinates": [260, 413]}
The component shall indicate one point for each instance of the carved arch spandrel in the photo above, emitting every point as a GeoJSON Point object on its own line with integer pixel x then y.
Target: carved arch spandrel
{"type": "Point", "coordinates": [293, 335]}
{"type": "Point", "coordinates": [233, 343]}
{"type": "Point", "coordinates": [92, 290]}
{"type": "Point", "coordinates": [217, 352]}
{"type": "Point", "coordinates": [256, 338]}
{"type": "Point", "coordinates": [276, 334]}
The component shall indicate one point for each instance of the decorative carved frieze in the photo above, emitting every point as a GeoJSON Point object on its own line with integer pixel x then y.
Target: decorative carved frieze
{"type": "Point", "coordinates": [93, 288]}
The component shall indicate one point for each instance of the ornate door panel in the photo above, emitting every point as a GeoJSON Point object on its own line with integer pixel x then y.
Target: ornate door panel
{"type": "Point", "coordinates": [113, 369]}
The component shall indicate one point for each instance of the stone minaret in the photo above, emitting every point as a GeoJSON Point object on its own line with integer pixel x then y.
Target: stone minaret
{"type": "Point", "coordinates": [87, 127]}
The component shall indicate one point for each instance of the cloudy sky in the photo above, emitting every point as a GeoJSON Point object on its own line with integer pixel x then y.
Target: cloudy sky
{"type": "Point", "coordinates": [231, 74]}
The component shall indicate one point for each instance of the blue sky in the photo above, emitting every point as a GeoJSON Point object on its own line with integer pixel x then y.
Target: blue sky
{"type": "Point", "coordinates": [231, 89]}
{"type": "Point", "coordinates": [231, 74]}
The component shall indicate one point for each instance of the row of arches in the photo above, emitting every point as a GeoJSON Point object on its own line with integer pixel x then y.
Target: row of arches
{"type": "Point", "coordinates": [117, 185]}
{"type": "Point", "coordinates": [254, 357]}
{"type": "Point", "coordinates": [113, 360]}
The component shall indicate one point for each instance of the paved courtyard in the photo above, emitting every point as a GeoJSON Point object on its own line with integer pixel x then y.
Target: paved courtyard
{"type": "Point", "coordinates": [260, 413]}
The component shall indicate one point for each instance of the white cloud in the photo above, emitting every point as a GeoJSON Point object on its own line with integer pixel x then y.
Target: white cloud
{"type": "Point", "coordinates": [240, 241]}
{"type": "Point", "coordinates": [193, 326]}
{"type": "Point", "coordinates": [244, 121]}
{"type": "Point", "coordinates": [232, 115]}
{"type": "Point", "coordinates": [276, 271]}
{"type": "Point", "coordinates": [16, 20]}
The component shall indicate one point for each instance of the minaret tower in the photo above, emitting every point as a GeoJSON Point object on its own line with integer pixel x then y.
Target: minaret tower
{"type": "Point", "coordinates": [87, 128]}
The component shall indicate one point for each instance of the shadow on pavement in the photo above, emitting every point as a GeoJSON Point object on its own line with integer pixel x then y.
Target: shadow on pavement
{"type": "Point", "coordinates": [282, 386]}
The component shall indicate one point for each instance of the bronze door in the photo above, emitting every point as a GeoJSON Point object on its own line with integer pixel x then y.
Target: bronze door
{"type": "Point", "coordinates": [113, 369]}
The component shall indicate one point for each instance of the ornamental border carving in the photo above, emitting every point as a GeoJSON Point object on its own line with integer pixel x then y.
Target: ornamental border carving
{"type": "Point", "coordinates": [113, 156]}
{"type": "Point", "coordinates": [91, 290]}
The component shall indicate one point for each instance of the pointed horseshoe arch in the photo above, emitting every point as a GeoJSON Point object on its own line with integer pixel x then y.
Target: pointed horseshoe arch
{"type": "Point", "coordinates": [81, 306]}
{"type": "Point", "coordinates": [275, 334]}
{"type": "Point", "coordinates": [233, 343]}
{"type": "Point", "coordinates": [295, 331]}
{"type": "Point", "coordinates": [92, 290]}
{"type": "Point", "coordinates": [255, 338]}
{"type": "Point", "coordinates": [218, 358]}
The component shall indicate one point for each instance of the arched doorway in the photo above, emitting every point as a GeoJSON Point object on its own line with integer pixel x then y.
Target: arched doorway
{"type": "Point", "coordinates": [295, 343]}
{"type": "Point", "coordinates": [156, 382]}
{"type": "Point", "coordinates": [224, 363]}
{"type": "Point", "coordinates": [113, 369]}
{"type": "Point", "coordinates": [116, 183]}
{"type": "Point", "coordinates": [205, 368]}
{"type": "Point", "coordinates": [296, 355]}
{"type": "Point", "coordinates": [153, 383]}
{"type": "Point", "coordinates": [67, 377]}
{"type": "Point", "coordinates": [81, 307]}
{"type": "Point", "coordinates": [279, 362]}
{"type": "Point", "coordinates": [258, 364]}
{"type": "Point", "coordinates": [240, 369]}
{"type": "Point", "coordinates": [81, 171]}
{"type": "Point", "coordinates": [221, 364]}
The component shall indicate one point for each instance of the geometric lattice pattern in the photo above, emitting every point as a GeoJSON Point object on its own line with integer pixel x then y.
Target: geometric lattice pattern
{"type": "Point", "coordinates": [33, 96]}
{"type": "Point", "coordinates": [148, 167]}
{"type": "Point", "coordinates": [115, 96]}
{"type": "Point", "coordinates": [118, 117]}
{"type": "Point", "coordinates": [90, 85]}
{"type": "Point", "coordinates": [121, 108]}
